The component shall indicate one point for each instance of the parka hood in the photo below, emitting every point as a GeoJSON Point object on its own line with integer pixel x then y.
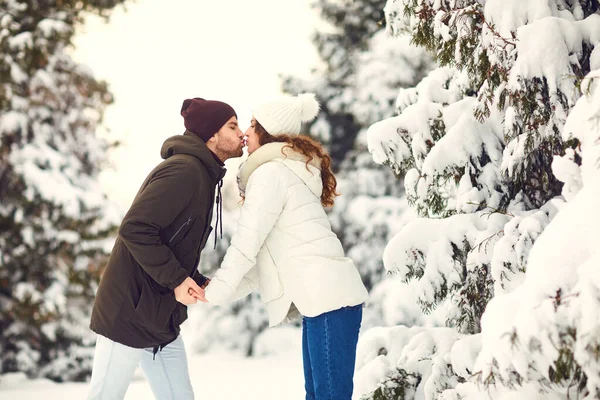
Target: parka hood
{"type": "Point", "coordinates": [310, 174]}
{"type": "Point", "coordinates": [192, 145]}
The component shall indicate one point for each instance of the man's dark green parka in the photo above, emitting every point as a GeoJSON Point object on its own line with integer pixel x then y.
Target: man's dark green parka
{"type": "Point", "coordinates": [158, 246]}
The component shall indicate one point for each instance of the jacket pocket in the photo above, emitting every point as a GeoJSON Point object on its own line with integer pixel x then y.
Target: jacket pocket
{"type": "Point", "coordinates": [154, 310]}
{"type": "Point", "coordinates": [271, 287]}
{"type": "Point", "coordinates": [182, 231]}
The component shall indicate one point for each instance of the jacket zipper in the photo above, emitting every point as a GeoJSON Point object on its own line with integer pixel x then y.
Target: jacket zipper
{"type": "Point", "coordinates": [204, 232]}
{"type": "Point", "coordinates": [180, 228]}
{"type": "Point", "coordinates": [206, 228]}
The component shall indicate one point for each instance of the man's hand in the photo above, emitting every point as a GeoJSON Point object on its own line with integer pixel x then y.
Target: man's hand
{"type": "Point", "coordinates": [189, 292]}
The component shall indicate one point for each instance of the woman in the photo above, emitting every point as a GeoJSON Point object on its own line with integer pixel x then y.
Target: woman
{"type": "Point", "coordinates": [284, 246]}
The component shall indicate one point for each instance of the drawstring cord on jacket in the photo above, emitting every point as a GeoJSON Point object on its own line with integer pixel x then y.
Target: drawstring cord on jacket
{"type": "Point", "coordinates": [219, 203]}
{"type": "Point", "coordinates": [156, 349]}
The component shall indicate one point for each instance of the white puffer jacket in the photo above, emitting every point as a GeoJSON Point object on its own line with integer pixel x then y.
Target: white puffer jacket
{"type": "Point", "coordinates": [284, 244]}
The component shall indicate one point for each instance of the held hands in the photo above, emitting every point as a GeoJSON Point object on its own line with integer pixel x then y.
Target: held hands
{"type": "Point", "coordinates": [189, 292]}
{"type": "Point", "coordinates": [200, 296]}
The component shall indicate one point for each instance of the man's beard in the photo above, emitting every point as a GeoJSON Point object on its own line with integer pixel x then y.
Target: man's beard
{"type": "Point", "coordinates": [238, 152]}
{"type": "Point", "coordinates": [230, 153]}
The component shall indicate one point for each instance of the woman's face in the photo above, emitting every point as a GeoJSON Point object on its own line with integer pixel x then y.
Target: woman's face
{"type": "Point", "coordinates": [252, 137]}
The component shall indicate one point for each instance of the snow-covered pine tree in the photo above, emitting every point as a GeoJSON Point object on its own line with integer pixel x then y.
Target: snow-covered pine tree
{"type": "Point", "coordinates": [541, 340]}
{"type": "Point", "coordinates": [351, 25]}
{"type": "Point", "coordinates": [475, 141]}
{"type": "Point", "coordinates": [53, 215]}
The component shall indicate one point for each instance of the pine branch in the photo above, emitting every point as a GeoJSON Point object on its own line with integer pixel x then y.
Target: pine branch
{"type": "Point", "coordinates": [478, 245]}
{"type": "Point", "coordinates": [494, 210]}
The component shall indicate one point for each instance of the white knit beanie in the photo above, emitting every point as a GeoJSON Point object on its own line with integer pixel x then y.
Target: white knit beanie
{"type": "Point", "coordinates": [285, 116]}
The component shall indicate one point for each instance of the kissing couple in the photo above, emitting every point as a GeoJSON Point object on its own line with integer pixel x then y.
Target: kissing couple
{"type": "Point", "coordinates": [284, 247]}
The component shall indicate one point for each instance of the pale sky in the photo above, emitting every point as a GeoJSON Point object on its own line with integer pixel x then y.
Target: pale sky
{"type": "Point", "coordinates": [159, 52]}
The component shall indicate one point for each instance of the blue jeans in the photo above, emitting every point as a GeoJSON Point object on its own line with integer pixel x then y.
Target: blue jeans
{"type": "Point", "coordinates": [329, 353]}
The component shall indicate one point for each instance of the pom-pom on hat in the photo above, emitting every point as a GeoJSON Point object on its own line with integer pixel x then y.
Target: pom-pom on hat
{"type": "Point", "coordinates": [205, 117]}
{"type": "Point", "coordinates": [285, 116]}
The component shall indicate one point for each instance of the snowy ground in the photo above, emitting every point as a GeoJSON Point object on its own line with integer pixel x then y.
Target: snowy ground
{"type": "Point", "coordinates": [214, 376]}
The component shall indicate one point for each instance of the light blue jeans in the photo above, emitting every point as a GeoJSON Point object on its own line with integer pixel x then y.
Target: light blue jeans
{"type": "Point", "coordinates": [115, 364]}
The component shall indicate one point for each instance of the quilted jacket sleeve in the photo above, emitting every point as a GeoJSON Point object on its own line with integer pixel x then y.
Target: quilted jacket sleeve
{"type": "Point", "coordinates": [265, 198]}
{"type": "Point", "coordinates": [248, 284]}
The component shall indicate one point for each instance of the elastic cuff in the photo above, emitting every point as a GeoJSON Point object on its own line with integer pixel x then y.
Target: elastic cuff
{"type": "Point", "coordinates": [199, 279]}
{"type": "Point", "coordinates": [178, 280]}
{"type": "Point", "coordinates": [218, 292]}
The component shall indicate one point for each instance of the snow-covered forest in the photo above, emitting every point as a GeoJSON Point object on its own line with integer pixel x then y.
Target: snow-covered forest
{"type": "Point", "coordinates": [498, 147]}
{"type": "Point", "coordinates": [465, 137]}
{"type": "Point", "coordinates": [55, 221]}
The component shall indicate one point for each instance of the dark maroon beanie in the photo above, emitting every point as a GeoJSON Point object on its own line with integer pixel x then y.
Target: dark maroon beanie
{"type": "Point", "coordinates": [205, 117]}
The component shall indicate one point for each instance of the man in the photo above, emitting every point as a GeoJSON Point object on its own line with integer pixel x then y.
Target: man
{"type": "Point", "coordinates": [151, 275]}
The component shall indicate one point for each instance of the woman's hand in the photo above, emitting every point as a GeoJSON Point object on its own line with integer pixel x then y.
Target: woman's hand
{"type": "Point", "coordinates": [199, 295]}
{"type": "Point", "coordinates": [188, 292]}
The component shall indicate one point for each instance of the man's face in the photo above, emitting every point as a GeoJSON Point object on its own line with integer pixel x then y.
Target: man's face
{"type": "Point", "coordinates": [228, 141]}
{"type": "Point", "coordinates": [252, 137]}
